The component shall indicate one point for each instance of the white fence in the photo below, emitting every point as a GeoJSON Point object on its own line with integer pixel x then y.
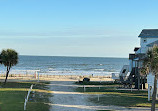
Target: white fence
{"type": "Point", "coordinates": [27, 98]}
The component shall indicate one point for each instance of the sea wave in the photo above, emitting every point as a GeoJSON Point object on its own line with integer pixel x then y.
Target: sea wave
{"type": "Point", "coordinates": [99, 69]}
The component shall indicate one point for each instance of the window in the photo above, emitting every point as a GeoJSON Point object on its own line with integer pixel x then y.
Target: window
{"type": "Point", "coordinates": [144, 40]}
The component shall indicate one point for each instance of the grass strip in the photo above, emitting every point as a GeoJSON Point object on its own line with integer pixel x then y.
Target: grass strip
{"type": "Point", "coordinates": [13, 93]}
{"type": "Point", "coordinates": [109, 95]}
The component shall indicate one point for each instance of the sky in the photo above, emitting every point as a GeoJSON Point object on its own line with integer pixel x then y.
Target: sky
{"type": "Point", "coordinates": [90, 28]}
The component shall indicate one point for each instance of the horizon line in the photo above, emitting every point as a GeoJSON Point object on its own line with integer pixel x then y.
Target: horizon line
{"type": "Point", "coordinates": [73, 56]}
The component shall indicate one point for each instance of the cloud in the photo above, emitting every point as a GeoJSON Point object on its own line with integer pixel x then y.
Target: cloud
{"type": "Point", "coordinates": [65, 33]}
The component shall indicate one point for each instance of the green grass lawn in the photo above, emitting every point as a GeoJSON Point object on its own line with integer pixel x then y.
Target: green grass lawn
{"type": "Point", "coordinates": [13, 93]}
{"type": "Point", "coordinates": [109, 95]}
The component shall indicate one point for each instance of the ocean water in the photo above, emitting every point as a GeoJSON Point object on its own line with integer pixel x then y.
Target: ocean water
{"type": "Point", "coordinates": [57, 65]}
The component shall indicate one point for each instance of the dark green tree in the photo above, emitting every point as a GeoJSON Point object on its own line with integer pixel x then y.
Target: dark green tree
{"type": "Point", "coordinates": [151, 66]}
{"type": "Point", "coordinates": [9, 58]}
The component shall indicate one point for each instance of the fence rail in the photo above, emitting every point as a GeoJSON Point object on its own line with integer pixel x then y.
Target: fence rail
{"type": "Point", "coordinates": [27, 97]}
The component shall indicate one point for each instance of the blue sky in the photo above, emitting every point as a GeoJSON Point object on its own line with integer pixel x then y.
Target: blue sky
{"type": "Point", "coordinates": [99, 28]}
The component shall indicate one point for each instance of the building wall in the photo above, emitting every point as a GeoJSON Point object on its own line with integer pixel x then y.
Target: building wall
{"type": "Point", "coordinates": [130, 65]}
{"type": "Point", "coordinates": [143, 43]}
{"type": "Point", "coordinates": [133, 64]}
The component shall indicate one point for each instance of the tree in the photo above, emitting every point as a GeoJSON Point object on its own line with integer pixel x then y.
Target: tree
{"type": "Point", "coordinates": [9, 58]}
{"type": "Point", "coordinates": [151, 66]}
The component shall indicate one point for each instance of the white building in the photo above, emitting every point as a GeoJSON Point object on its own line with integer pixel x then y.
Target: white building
{"type": "Point", "coordinates": [148, 37]}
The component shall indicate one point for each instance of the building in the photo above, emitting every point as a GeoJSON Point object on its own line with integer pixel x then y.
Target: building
{"type": "Point", "coordinates": [148, 37]}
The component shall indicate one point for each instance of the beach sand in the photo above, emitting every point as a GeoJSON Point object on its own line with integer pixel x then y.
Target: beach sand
{"type": "Point", "coordinates": [22, 77]}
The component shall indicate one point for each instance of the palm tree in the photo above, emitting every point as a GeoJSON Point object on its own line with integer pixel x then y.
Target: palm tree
{"type": "Point", "coordinates": [151, 66]}
{"type": "Point", "coordinates": [9, 58]}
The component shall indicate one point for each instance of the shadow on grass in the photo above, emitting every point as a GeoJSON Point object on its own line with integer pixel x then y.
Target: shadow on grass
{"type": "Point", "coordinates": [37, 85]}
{"type": "Point", "coordinates": [120, 100]}
{"type": "Point", "coordinates": [97, 83]}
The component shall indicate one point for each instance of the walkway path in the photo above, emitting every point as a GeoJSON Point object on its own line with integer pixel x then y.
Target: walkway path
{"type": "Point", "coordinates": [65, 99]}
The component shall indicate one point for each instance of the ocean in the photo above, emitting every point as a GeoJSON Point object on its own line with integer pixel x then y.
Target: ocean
{"type": "Point", "coordinates": [58, 65]}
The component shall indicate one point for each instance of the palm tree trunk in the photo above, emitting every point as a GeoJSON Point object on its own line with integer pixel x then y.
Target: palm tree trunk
{"type": "Point", "coordinates": [154, 94]}
{"type": "Point", "coordinates": [7, 73]}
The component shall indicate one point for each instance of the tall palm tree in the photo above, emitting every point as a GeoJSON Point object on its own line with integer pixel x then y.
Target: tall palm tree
{"type": "Point", "coordinates": [151, 66]}
{"type": "Point", "coordinates": [9, 58]}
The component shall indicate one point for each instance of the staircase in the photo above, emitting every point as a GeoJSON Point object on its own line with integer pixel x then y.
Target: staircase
{"type": "Point", "coordinates": [130, 77]}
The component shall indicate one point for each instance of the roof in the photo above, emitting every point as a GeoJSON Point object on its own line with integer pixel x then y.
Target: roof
{"type": "Point", "coordinates": [149, 33]}
{"type": "Point", "coordinates": [132, 56]}
{"type": "Point", "coordinates": [153, 43]}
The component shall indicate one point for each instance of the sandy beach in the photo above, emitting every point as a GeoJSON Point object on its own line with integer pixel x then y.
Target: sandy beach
{"type": "Point", "coordinates": [55, 77]}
